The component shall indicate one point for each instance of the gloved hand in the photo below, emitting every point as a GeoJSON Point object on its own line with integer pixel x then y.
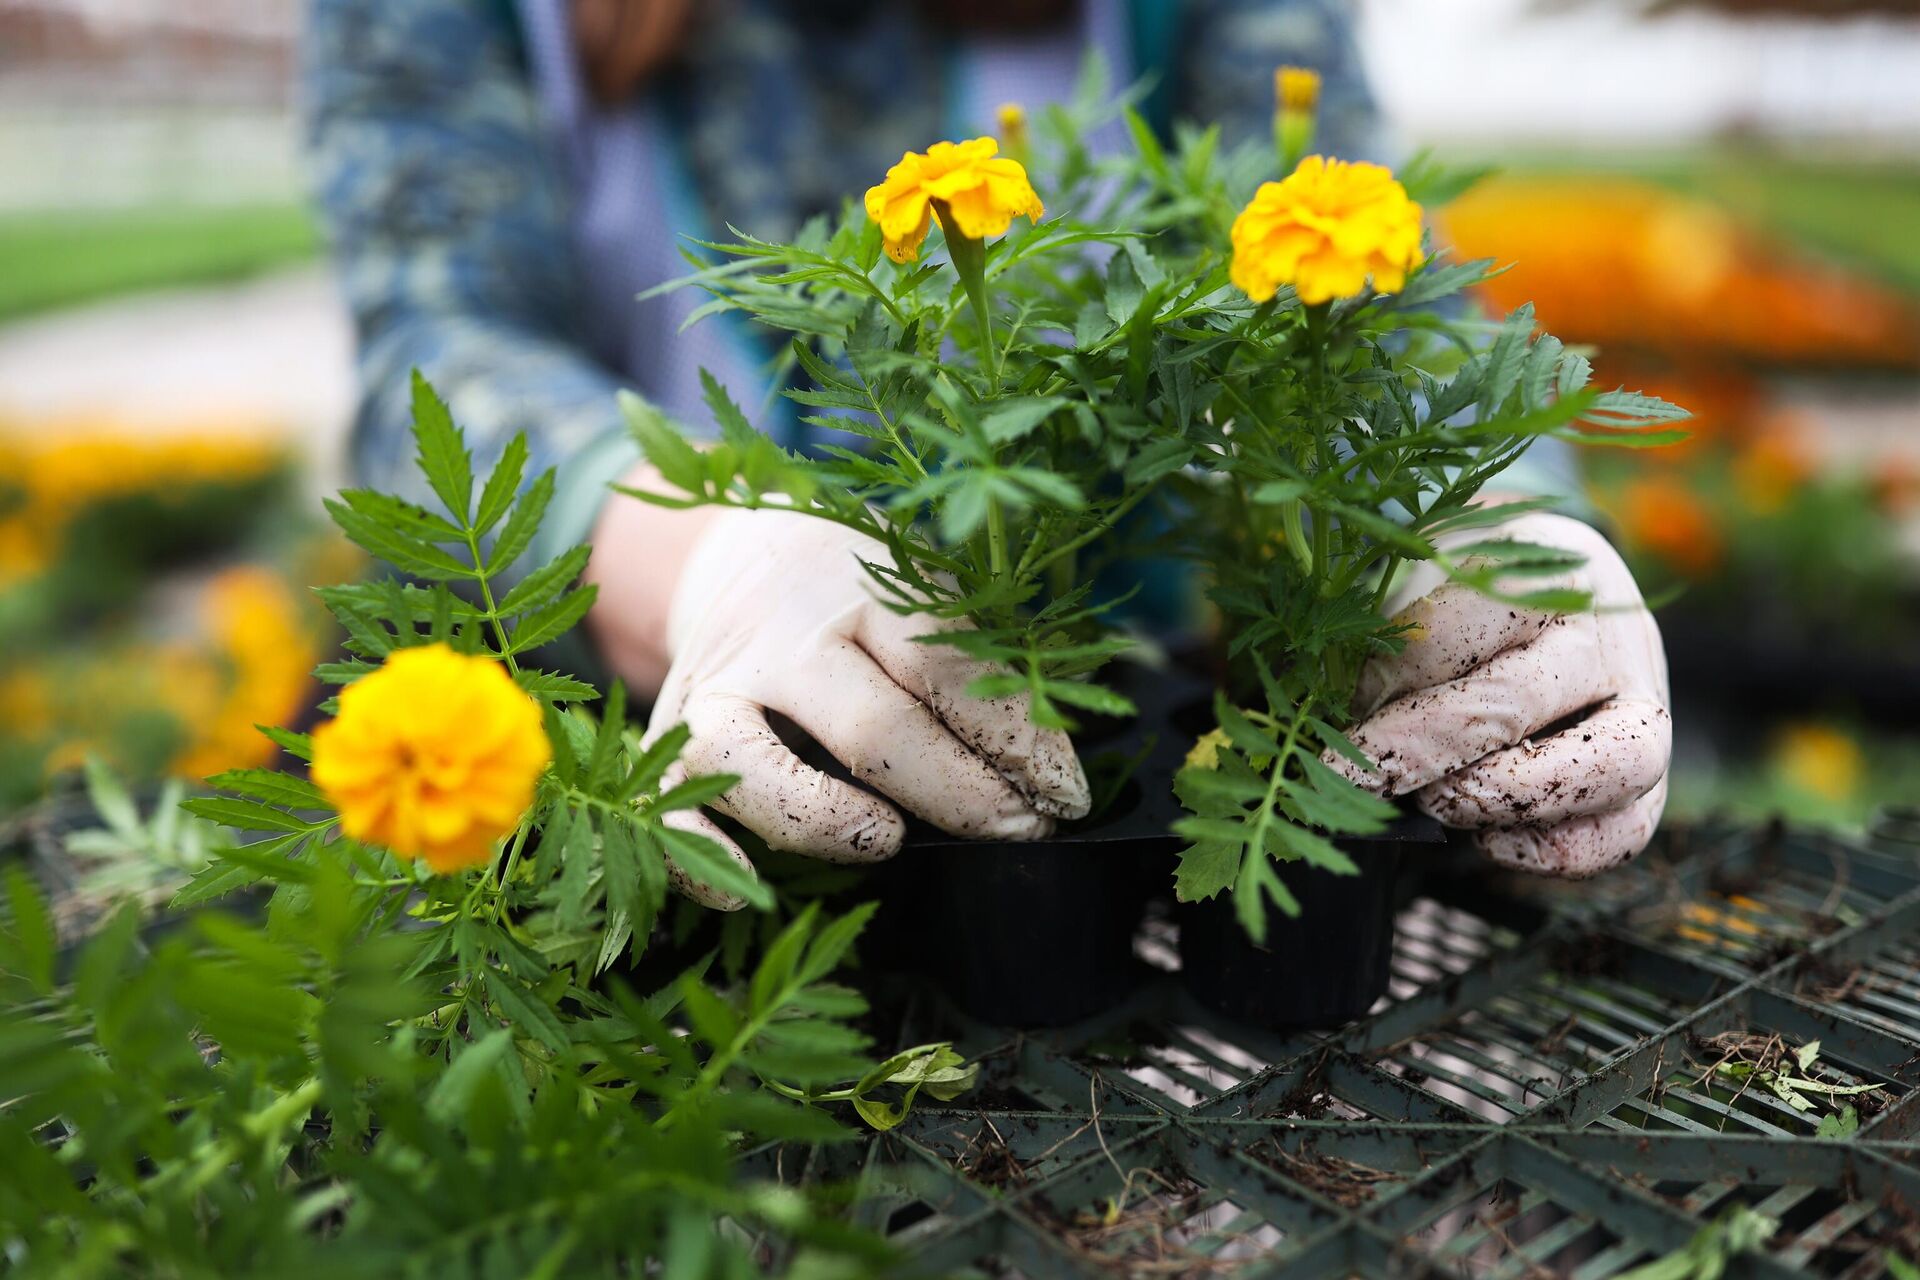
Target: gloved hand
{"type": "Point", "coordinates": [773, 612]}
{"type": "Point", "coordinates": [1451, 716]}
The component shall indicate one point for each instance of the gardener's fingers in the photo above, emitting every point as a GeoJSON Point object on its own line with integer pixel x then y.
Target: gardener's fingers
{"type": "Point", "coordinates": [1579, 847]}
{"type": "Point", "coordinates": [1040, 762]}
{"type": "Point", "coordinates": [1424, 736]}
{"type": "Point", "coordinates": [1453, 630]}
{"type": "Point", "coordinates": [788, 803]}
{"type": "Point", "coordinates": [892, 742]}
{"type": "Point", "coordinates": [696, 823]}
{"type": "Point", "coordinates": [1608, 760]}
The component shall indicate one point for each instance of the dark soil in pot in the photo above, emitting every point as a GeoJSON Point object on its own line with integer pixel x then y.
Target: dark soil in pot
{"type": "Point", "coordinates": [1320, 969]}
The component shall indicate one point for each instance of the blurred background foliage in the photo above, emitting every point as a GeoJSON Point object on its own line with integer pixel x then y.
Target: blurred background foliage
{"type": "Point", "coordinates": [1721, 198]}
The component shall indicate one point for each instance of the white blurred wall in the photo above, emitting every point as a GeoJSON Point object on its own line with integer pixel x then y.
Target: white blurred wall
{"type": "Point", "coordinates": [1595, 73]}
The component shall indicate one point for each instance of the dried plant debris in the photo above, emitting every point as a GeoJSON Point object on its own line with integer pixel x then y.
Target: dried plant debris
{"type": "Point", "coordinates": [1741, 1062]}
{"type": "Point", "coordinates": [1164, 1227]}
{"type": "Point", "coordinates": [1347, 1183]}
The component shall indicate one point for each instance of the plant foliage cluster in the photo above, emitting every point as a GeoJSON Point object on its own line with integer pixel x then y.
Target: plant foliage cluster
{"type": "Point", "coordinates": [1112, 398]}
{"type": "Point", "coordinates": [321, 1056]}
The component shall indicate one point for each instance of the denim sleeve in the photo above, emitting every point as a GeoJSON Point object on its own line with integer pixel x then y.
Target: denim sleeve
{"type": "Point", "coordinates": [444, 207]}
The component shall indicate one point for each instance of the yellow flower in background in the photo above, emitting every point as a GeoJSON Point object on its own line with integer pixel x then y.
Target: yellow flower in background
{"type": "Point", "coordinates": [1326, 229]}
{"type": "Point", "coordinates": [1012, 122]}
{"type": "Point", "coordinates": [435, 755]}
{"type": "Point", "coordinates": [264, 636]}
{"type": "Point", "coordinates": [1296, 88]}
{"type": "Point", "coordinates": [55, 472]}
{"type": "Point", "coordinates": [974, 191]}
{"type": "Point", "coordinates": [1820, 759]}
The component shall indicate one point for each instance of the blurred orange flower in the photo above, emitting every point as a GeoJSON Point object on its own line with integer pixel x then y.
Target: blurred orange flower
{"type": "Point", "coordinates": [1768, 470]}
{"type": "Point", "coordinates": [1619, 262]}
{"type": "Point", "coordinates": [1661, 515]}
{"type": "Point", "coordinates": [1896, 485]}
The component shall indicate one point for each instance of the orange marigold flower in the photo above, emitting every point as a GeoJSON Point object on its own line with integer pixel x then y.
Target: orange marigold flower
{"type": "Point", "coordinates": [1767, 472]}
{"type": "Point", "coordinates": [1664, 517]}
{"type": "Point", "coordinates": [435, 756]}
{"type": "Point", "coordinates": [1326, 229]}
{"type": "Point", "coordinates": [969, 186]}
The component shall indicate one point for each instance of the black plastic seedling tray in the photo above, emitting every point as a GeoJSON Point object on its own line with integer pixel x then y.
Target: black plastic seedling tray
{"type": "Point", "coordinates": [1533, 1096]}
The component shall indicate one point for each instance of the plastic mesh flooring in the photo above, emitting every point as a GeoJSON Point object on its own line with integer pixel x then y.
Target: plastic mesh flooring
{"type": "Point", "coordinates": [1536, 1096]}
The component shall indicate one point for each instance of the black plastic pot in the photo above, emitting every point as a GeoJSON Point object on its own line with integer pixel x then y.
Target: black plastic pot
{"type": "Point", "coordinates": [1041, 934]}
{"type": "Point", "coordinates": [1320, 969]}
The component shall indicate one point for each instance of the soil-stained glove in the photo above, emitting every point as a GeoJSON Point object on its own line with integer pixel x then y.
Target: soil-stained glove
{"type": "Point", "coordinates": [1452, 716]}
{"type": "Point", "coordinates": [774, 612]}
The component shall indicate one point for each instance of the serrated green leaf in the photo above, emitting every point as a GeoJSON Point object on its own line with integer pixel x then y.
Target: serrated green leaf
{"type": "Point", "coordinates": [694, 792]}
{"type": "Point", "coordinates": [706, 863]}
{"type": "Point", "coordinates": [550, 686]}
{"type": "Point", "coordinates": [271, 787]}
{"type": "Point", "coordinates": [214, 881]}
{"type": "Point", "coordinates": [543, 626]}
{"type": "Point", "coordinates": [527, 1012]}
{"type": "Point", "coordinates": [678, 462]}
{"type": "Point", "coordinates": [403, 552]}
{"type": "Point", "coordinates": [502, 484]}
{"type": "Point", "coordinates": [244, 814]}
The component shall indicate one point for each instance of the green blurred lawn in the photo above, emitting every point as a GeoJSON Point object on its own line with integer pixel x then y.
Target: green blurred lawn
{"type": "Point", "coordinates": [56, 258]}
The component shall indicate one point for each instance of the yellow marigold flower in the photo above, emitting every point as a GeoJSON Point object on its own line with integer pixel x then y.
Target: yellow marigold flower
{"type": "Point", "coordinates": [435, 756]}
{"type": "Point", "coordinates": [1296, 88]}
{"type": "Point", "coordinates": [969, 186]}
{"type": "Point", "coordinates": [1012, 119]}
{"type": "Point", "coordinates": [1325, 229]}
{"type": "Point", "coordinates": [1821, 759]}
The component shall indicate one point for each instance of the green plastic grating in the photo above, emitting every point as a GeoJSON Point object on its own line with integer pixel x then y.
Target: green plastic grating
{"type": "Point", "coordinates": [1535, 1096]}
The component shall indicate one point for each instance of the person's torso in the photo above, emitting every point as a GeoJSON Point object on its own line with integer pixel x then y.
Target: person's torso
{"type": "Point", "coordinates": [766, 121]}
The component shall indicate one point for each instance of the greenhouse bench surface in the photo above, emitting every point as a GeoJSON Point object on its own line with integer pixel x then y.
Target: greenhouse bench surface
{"type": "Point", "coordinates": [1565, 1079]}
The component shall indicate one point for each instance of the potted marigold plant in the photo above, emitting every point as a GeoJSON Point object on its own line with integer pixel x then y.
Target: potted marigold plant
{"type": "Point", "coordinates": [1271, 384]}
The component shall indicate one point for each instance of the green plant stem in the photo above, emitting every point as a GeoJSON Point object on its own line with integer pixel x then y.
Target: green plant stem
{"type": "Point", "coordinates": [996, 538]}
{"type": "Point", "coordinates": [1263, 822]}
{"type": "Point", "coordinates": [1067, 549]}
{"type": "Point", "coordinates": [506, 872]}
{"type": "Point", "coordinates": [969, 257]}
{"type": "Point", "coordinates": [1294, 523]}
{"type": "Point", "coordinates": [486, 596]}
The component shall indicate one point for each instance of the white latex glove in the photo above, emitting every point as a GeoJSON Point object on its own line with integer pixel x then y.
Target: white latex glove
{"type": "Point", "coordinates": [773, 612]}
{"type": "Point", "coordinates": [1451, 716]}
